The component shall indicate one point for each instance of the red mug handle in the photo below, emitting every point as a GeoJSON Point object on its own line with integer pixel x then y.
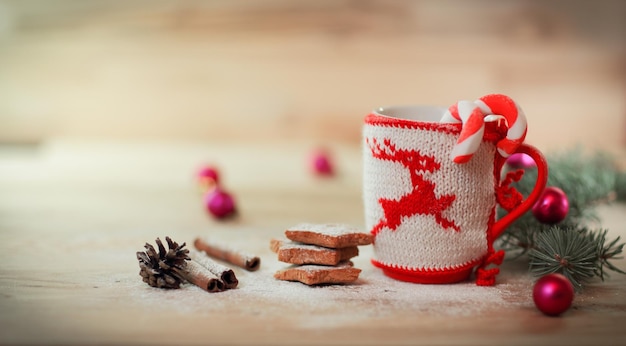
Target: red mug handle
{"type": "Point", "coordinates": [542, 178]}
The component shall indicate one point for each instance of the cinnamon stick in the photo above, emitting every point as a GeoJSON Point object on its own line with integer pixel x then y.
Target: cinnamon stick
{"type": "Point", "coordinates": [226, 275]}
{"type": "Point", "coordinates": [221, 252]}
{"type": "Point", "coordinates": [198, 275]}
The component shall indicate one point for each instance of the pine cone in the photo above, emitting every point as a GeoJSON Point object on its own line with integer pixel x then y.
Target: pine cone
{"type": "Point", "coordinates": [162, 269]}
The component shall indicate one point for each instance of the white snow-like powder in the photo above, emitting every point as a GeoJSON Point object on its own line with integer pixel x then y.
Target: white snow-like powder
{"type": "Point", "coordinates": [372, 296]}
{"type": "Point", "coordinates": [330, 229]}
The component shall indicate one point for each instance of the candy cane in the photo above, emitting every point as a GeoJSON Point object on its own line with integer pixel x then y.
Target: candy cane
{"type": "Point", "coordinates": [472, 116]}
{"type": "Point", "coordinates": [516, 120]}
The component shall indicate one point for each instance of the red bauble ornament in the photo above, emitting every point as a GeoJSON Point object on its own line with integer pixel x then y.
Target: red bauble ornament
{"type": "Point", "coordinates": [521, 160]}
{"type": "Point", "coordinates": [208, 178]}
{"type": "Point", "coordinates": [552, 206]}
{"type": "Point", "coordinates": [321, 163]}
{"type": "Point", "coordinates": [553, 294]}
{"type": "Point", "coordinates": [220, 204]}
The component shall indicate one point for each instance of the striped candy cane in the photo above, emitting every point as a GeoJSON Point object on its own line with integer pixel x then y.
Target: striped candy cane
{"type": "Point", "coordinates": [472, 116]}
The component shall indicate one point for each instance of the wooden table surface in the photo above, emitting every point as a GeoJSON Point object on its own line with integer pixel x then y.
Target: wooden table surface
{"type": "Point", "coordinates": [73, 214]}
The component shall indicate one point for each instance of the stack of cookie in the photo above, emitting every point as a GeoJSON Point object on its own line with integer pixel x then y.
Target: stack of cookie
{"type": "Point", "coordinates": [320, 253]}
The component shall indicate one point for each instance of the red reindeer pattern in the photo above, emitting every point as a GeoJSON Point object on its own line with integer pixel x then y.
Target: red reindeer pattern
{"type": "Point", "coordinates": [421, 200]}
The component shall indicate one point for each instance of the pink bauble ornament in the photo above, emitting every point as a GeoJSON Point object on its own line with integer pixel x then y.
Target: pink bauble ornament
{"type": "Point", "coordinates": [321, 163]}
{"type": "Point", "coordinates": [208, 178]}
{"type": "Point", "coordinates": [220, 204]}
{"type": "Point", "coordinates": [552, 206]}
{"type": "Point", "coordinates": [520, 160]}
{"type": "Point", "coordinates": [553, 294]}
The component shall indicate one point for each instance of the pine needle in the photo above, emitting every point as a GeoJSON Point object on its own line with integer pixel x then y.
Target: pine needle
{"type": "Point", "coordinates": [606, 252]}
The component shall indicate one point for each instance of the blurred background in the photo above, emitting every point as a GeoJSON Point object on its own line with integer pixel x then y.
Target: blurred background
{"type": "Point", "coordinates": [277, 70]}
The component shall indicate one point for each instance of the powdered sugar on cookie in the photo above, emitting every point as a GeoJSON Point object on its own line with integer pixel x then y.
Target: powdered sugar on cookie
{"type": "Point", "coordinates": [328, 235]}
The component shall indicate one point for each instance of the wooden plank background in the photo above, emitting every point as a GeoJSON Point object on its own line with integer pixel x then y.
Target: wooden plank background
{"type": "Point", "coordinates": [283, 70]}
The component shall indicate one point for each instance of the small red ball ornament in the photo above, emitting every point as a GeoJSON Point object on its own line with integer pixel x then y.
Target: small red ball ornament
{"type": "Point", "coordinates": [552, 206]}
{"type": "Point", "coordinates": [220, 204]}
{"type": "Point", "coordinates": [521, 160]}
{"type": "Point", "coordinates": [208, 178]}
{"type": "Point", "coordinates": [553, 294]}
{"type": "Point", "coordinates": [321, 163]}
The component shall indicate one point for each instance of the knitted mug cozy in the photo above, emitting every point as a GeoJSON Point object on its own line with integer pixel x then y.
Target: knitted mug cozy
{"type": "Point", "coordinates": [434, 220]}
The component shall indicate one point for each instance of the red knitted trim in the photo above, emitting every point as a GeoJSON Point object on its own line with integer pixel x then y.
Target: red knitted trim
{"type": "Point", "coordinates": [487, 277]}
{"type": "Point", "coordinates": [428, 276]}
{"type": "Point", "coordinates": [494, 131]}
{"type": "Point", "coordinates": [507, 196]}
{"type": "Point", "coordinates": [484, 276]}
{"type": "Point", "coordinates": [381, 120]}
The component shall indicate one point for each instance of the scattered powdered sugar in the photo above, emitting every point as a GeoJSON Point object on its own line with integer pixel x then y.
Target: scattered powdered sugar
{"type": "Point", "coordinates": [331, 229]}
{"type": "Point", "coordinates": [208, 262]}
{"type": "Point", "coordinates": [373, 296]}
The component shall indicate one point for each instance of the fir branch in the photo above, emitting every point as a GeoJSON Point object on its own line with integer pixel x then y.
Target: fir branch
{"type": "Point", "coordinates": [569, 248]}
{"type": "Point", "coordinates": [564, 251]}
{"type": "Point", "coordinates": [577, 253]}
{"type": "Point", "coordinates": [606, 252]}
